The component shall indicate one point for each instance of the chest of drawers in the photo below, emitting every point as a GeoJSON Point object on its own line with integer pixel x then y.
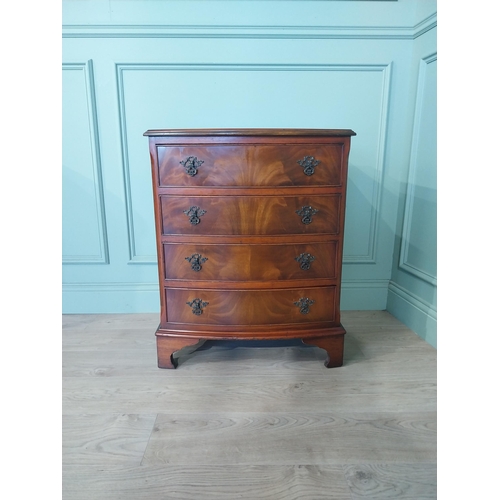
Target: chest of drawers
{"type": "Point", "coordinates": [249, 231]}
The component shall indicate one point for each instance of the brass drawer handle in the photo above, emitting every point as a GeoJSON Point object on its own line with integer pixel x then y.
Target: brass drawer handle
{"type": "Point", "coordinates": [194, 213]}
{"type": "Point", "coordinates": [308, 164]}
{"type": "Point", "coordinates": [305, 259]}
{"type": "Point", "coordinates": [197, 306]}
{"type": "Point", "coordinates": [191, 164]}
{"type": "Point", "coordinates": [303, 303]}
{"type": "Point", "coordinates": [307, 212]}
{"type": "Point", "coordinates": [196, 260]}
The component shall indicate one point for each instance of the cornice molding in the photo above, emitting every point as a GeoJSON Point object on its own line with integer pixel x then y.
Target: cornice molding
{"type": "Point", "coordinates": [250, 31]}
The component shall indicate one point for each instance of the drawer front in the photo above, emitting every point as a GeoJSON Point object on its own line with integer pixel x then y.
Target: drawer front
{"type": "Point", "coordinates": [250, 165]}
{"type": "Point", "coordinates": [250, 215]}
{"type": "Point", "coordinates": [250, 307]}
{"type": "Point", "coordinates": [250, 262]}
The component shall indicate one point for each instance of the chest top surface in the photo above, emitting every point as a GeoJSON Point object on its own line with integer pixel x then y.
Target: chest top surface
{"type": "Point", "coordinates": [233, 132]}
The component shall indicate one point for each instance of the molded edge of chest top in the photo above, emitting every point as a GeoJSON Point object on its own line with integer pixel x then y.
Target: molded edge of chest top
{"type": "Point", "coordinates": [234, 132]}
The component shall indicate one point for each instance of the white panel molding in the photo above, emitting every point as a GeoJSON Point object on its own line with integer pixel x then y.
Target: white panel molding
{"type": "Point", "coordinates": [404, 264]}
{"type": "Point", "coordinates": [376, 200]}
{"type": "Point", "coordinates": [385, 69]}
{"type": "Point", "coordinates": [103, 256]}
{"type": "Point", "coordinates": [134, 258]}
{"type": "Point", "coordinates": [250, 31]}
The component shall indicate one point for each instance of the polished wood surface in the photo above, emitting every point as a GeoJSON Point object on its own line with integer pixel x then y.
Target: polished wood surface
{"type": "Point", "coordinates": [334, 347]}
{"type": "Point", "coordinates": [247, 420]}
{"type": "Point", "coordinates": [174, 344]}
{"type": "Point", "coordinates": [249, 132]}
{"type": "Point", "coordinates": [252, 215]}
{"type": "Point", "coordinates": [251, 307]}
{"type": "Point", "coordinates": [250, 262]}
{"type": "Point", "coordinates": [237, 213]}
{"type": "Point", "coordinates": [250, 165]}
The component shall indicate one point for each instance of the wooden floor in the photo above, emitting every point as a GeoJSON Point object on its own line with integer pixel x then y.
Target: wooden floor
{"type": "Point", "coordinates": [247, 421]}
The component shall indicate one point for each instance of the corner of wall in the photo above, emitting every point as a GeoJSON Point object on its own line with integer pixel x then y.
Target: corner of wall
{"type": "Point", "coordinates": [415, 313]}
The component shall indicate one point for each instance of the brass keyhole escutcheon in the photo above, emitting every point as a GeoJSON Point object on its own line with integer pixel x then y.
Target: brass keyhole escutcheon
{"type": "Point", "coordinates": [194, 213]}
{"type": "Point", "coordinates": [303, 304]}
{"type": "Point", "coordinates": [305, 259]}
{"type": "Point", "coordinates": [191, 164]}
{"type": "Point", "coordinates": [196, 260]}
{"type": "Point", "coordinates": [308, 163]}
{"type": "Point", "coordinates": [307, 212]}
{"type": "Point", "coordinates": [197, 306]}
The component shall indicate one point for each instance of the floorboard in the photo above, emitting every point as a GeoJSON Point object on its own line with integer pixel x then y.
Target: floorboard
{"type": "Point", "coordinates": [247, 420]}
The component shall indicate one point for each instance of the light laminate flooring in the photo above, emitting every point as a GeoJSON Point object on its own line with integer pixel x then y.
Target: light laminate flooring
{"type": "Point", "coordinates": [247, 420]}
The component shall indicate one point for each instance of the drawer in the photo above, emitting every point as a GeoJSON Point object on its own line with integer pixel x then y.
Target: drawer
{"type": "Point", "coordinates": [250, 307]}
{"type": "Point", "coordinates": [250, 215]}
{"type": "Point", "coordinates": [250, 165]}
{"type": "Point", "coordinates": [237, 262]}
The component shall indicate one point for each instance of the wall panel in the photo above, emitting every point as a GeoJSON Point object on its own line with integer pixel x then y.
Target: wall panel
{"type": "Point", "coordinates": [198, 95]}
{"type": "Point", "coordinates": [240, 64]}
{"type": "Point", "coordinates": [419, 225]}
{"type": "Point", "coordinates": [84, 225]}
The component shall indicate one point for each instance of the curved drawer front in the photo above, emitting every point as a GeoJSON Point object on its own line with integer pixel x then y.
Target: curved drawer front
{"type": "Point", "coordinates": [250, 165]}
{"type": "Point", "coordinates": [250, 307]}
{"type": "Point", "coordinates": [237, 262]}
{"type": "Point", "coordinates": [250, 215]}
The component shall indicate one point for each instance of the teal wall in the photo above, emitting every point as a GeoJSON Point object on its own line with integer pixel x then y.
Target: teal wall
{"type": "Point", "coordinates": [132, 65]}
{"type": "Point", "coordinates": [412, 289]}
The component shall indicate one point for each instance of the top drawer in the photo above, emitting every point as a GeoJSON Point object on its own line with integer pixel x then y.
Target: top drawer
{"type": "Point", "coordinates": [250, 165]}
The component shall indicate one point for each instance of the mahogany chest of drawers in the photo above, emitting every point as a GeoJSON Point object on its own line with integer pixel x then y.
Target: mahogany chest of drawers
{"type": "Point", "coordinates": [249, 232]}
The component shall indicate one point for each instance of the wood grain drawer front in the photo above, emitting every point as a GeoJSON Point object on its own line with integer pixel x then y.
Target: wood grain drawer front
{"type": "Point", "coordinates": [250, 262]}
{"type": "Point", "coordinates": [250, 307]}
{"type": "Point", "coordinates": [250, 215]}
{"type": "Point", "coordinates": [250, 165]}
